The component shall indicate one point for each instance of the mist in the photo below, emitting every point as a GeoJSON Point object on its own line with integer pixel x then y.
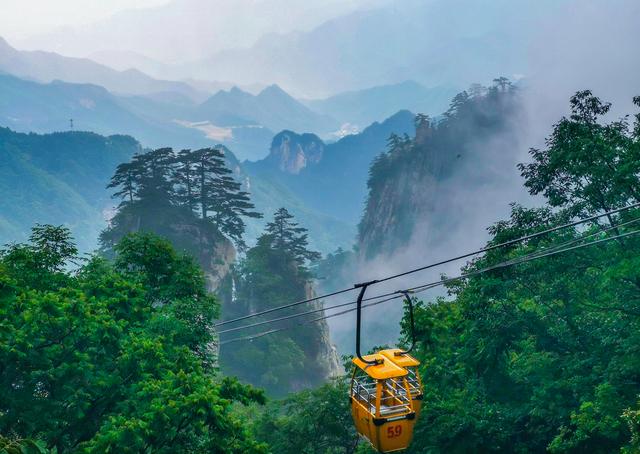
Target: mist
{"type": "Point", "coordinates": [179, 31]}
{"type": "Point", "coordinates": [586, 45]}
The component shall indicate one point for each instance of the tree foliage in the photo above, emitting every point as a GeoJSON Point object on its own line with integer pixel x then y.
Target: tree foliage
{"type": "Point", "coordinates": [316, 421]}
{"type": "Point", "coordinates": [273, 273]}
{"type": "Point", "coordinates": [112, 357]}
{"type": "Point", "coordinates": [543, 356]}
{"type": "Point", "coordinates": [188, 184]}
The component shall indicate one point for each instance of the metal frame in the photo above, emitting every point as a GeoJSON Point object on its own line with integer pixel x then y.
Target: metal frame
{"type": "Point", "coordinates": [409, 299]}
{"type": "Point", "coordinates": [367, 392]}
{"type": "Point", "coordinates": [363, 289]}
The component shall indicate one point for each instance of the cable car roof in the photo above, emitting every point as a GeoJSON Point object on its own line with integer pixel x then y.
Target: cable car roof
{"type": "Point", "coordinates": [387, 369]}
{"type": "Point", "coordinates": [404, 360]}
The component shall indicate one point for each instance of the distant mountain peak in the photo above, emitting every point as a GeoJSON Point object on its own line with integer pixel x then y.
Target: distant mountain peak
{"type": "Point", "coordinates": [273, 108]}
{"type": "Point", "coordinates": [274, 90]}
{"type": "Point", "coordinates": [5, 47]}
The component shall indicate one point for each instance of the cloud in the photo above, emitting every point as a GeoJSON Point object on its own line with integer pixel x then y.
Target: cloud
{"type": "Point", "coordinates": [584, 44]}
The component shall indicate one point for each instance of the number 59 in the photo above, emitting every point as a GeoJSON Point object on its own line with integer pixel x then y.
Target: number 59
{"type": "Point", "coordinates": [394, 431]}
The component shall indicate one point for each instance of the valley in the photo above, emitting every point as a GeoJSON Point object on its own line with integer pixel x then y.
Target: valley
{"type": "Point", "coordinates": [320, 227]}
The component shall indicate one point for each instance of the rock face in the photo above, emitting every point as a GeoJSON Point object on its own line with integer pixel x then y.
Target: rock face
{"type": "Point", "coordinates": [216, 253]}
{"type": "Point", "coordinates": [213, 251]}
{"type": "Point", "coordinates": [326, 355]}
{"type": "Point", "coordinates": [291, 152]}
{"type": "Point", "coordinates": [453, 172]}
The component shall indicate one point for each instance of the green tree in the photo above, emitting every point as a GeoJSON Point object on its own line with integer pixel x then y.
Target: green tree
{"type": "Point", "coordinates": [316, 421]}
{"type": "Point", "coordinates": [273, 273]}
{"type": "Point", "coordinates": [287, 237]}
{"type": "Point", "coordinates": [184, 177]}
{"type": "Point", "coordinates": [587, 166]}
{"type": "Point", "coordinates": [159, 187]}
{"type": "Point", "coordinates": [113, 357]}
{"type": "Point", "coordinates": [127, 178]}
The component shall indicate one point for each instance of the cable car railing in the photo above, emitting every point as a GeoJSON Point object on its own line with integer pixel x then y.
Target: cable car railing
{"type": "Point", "coordinates": [414, 383]}
{"type": "Point", "coordinates": [365, 393]}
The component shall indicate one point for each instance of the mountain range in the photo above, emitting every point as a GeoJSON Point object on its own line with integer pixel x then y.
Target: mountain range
{"type": "Point", "coordinates": [170, 116]}
{"type": "Point", "coordinates": [48, 66]}
{"type": "Point", "coordinates": [272, 108]}
{"type": "Point", "coordinates": [335, 46]}
{"type": "Point", "coordinates": [191, 29]}
{"type": "Point", "coordinates": [455, 42]}
{"type": "Point", "coordinates": [61, 177]}
{"type": "Point", "coordinates": [363, 107]}
{"type": "Point", "coordinates": [30, 106]}
{"type": "Point", "coordinates": [321, 174]}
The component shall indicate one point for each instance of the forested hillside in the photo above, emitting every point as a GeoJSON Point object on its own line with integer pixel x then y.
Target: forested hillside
{"type": "Point", "coordinates": [59, 179]}
{"type": "Point", "coordinates": [114, 357]}
{"type": "Point", "coordinates": [543, 356]}
{"type": "Point", "coordinates": [275, 272]}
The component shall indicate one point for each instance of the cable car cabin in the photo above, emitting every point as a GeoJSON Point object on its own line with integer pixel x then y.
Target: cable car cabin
{"type": "Point", "coordinates": [405, 360]}
{"type": "Point", "coordinates": [381, 409]}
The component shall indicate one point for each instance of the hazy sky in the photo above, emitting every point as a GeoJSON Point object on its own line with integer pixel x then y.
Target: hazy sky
{"type": "Point", "coordinates": [165, 30]}
{"type": "Point", "coordinates": [22, 18]}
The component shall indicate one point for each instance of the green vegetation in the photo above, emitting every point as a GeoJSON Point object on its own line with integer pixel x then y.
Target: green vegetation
{"type": "Point", "coordinates": [543, 356]}
{"type": "Point", "coordinates": [275, 272]}
{"type": "Point", "coordinates": [120, 356]}
{"type": "Point", "coordinates": [290, 426]}
{"type": "Point", "coordinates": [114, 356]}
{"type": "Point", "coordinates": [168, 193]}
{"type": "Point", "coordinates": [58, 179]}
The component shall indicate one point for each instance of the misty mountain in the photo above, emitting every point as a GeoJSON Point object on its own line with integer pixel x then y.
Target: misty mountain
{"type": "Point", "coordinates": [427, 189]}
{"type": "Point", "coordinates": [234, 118]}
{"type": "Point", "coordinates": [182, 30]}
{"type": "Point", "coordinates": [272, 108]}
{"type": "Point", "coordinates": [363, 107]}
{"type": "Point", "coordinates": [59, 179]}
{"type": "Point", "coordinates": [434, 43]}
{"type": "Point", "coordinates": [30, 106]}
{"type": "Point", "coordinates": [321, 174]}
{"type": "Point", "coordinates": [48, 66]}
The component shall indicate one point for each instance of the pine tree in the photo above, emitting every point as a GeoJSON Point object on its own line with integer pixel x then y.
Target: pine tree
{"type": "Point", "coordinates": [127, 178]}
{"type": "Point", "coordinates": [421, 120]}
{"type": "Point", "coordinates": [288, 237]}
{"type": "Point", "coordinates": [220, 197]}
{"type": "Point", "coordinates": [155, 174]}
{"type": "Point", "coordinates": [199, 180]}
{"type": "Point", "coordinates": [209, 167]}
{"type": "Point", "coordinates": [458, 101]}
{"type": "Point", "coordinates": [184, 178]}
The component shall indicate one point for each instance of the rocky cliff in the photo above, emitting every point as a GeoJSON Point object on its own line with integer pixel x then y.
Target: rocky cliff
{"type": "Point", "coordinates": [423, 188]}
{"type": "Point", "coordinates": [291, 152]}
{"type": "Point", "coordinates": [214, 252]}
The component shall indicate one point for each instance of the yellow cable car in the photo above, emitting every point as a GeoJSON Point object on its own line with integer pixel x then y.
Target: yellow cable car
{"type": "Point", "coordinates": [381, 396]}
{"type": "Point", "coordinates": [381, 410]}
